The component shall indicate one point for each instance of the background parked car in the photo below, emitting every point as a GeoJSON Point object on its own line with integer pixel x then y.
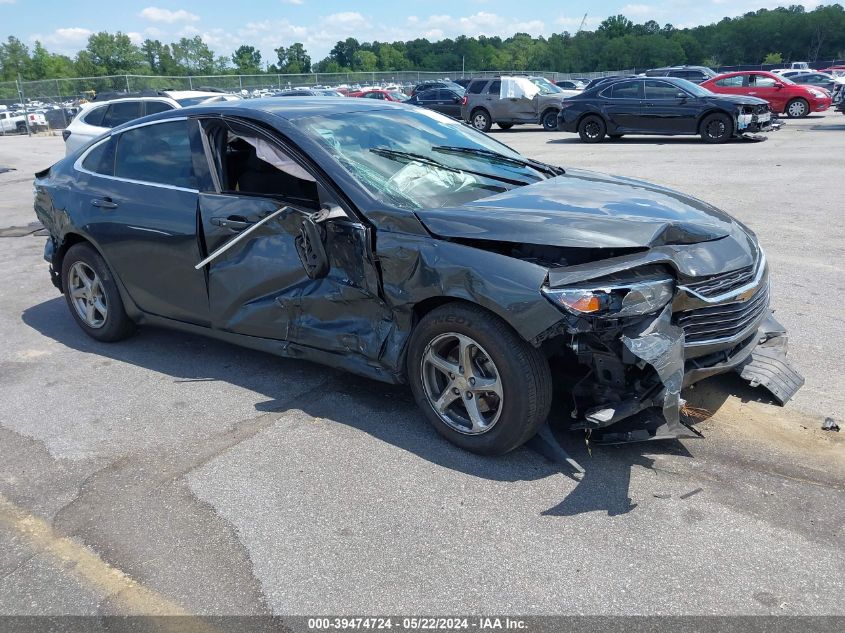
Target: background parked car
{"type": "Point", "coordinates": [570, 84]}
{"type": "Point", "coordinates": [100, 116]}
{"type": "Point", "coordinates": [383, 95]}
{"type": "Point", "coordinates": [512, 100]}
{"type": "Point", "coordinates": [660, 105]}
{"type": "Point", "coordinates": [783, 95]}
{"type": "Point", "coordinates": [309, 92]}
{"type": "Point", "coordinates": [820, 80]}
{"type": "Point", "coordinates": [695, 74]}
{"type": "Point", "coordinates": [442, 100]}
{"type": "Point", "coordinates": [428, 85]}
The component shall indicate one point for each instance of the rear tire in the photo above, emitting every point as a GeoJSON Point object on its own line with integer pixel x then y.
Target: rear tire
{"type": "Point", "coordinates": [455, 352]}
{"type": "Point", "coordinates": [505, 126]}
{"type": "Point", "coordinates": [480, 120]}
{"type": "Point", "coordinates": [592, 129]}
{"type": "Point", "coordinates": [550, 121]}
{"type": "Point", "coordinates": [797, 109]}
{"type": "Point", "coordinates": [92, 295]}
{"type": "Point", "coordinates": [716, 128]}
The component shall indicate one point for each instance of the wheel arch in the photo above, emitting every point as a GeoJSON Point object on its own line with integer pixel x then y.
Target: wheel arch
{"type": "Point", "coordinates": [72, 238]}
{"type": "Point", "coordinates": [547, 110]}
{"type": "Point", "coordinates": [483, 109]}
{"type": "Point", "coordinates": [710, 111]}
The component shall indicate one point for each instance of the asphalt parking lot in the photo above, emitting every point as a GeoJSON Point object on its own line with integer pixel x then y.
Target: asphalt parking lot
{"type": "Point", "coordinates": [175, 474]}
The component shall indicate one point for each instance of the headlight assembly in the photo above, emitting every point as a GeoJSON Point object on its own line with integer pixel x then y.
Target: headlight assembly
{"type": "Point", "coordinates": [614, 299]}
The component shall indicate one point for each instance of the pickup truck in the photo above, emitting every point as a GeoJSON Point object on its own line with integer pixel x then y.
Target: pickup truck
{"type": "Point", "coordinates": [13, 122]}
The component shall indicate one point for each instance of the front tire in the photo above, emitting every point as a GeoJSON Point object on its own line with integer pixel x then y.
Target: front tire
{"type": "Point", "coordinates": [481, 121]}
{"type": "Point", "coordinates": [550, 121]}
{"type": "Point", "coordinates": [592, 129]}
{"type": "Point", "coordinates": [479, 384]}
{"type": "Point", "coordinates": [92, 295]}
{"type": "Point", "coordinates": [505, 126]}
{"type": "Point", "coordinates": [716, 128]}
{"type": "Point", "coordinates": [797, 109]}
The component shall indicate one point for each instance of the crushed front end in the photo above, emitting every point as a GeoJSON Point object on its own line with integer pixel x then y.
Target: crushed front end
{"type": "Point", "coordinates": [752, 119]}
{"type": "Point", "coordinates": [638, 336]}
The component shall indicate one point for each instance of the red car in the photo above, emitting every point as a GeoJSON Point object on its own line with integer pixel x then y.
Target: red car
{"type": "Point", "coordinates": [783, 95]}
{"type": "Point", "coordinates": [384, 95]}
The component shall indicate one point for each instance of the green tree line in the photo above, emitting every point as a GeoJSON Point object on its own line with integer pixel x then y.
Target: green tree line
{"type": "Point", "coordinates": [769, 36]}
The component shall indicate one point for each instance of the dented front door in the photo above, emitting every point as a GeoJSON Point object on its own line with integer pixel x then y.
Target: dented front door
{"type": "Point", "coordinates": [260, 286]}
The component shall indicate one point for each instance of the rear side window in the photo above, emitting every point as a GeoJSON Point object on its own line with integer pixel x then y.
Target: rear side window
{"type": "Point", "coordinates": [95, 116]}
{"type": "Point", "coordinates": [626, 90]}
{"type": "Point", "coordinates": [730, 82]}
{"type": "Point", "coordinates": [158, 153]}
{"type": "Point", "coordinates": [121, 112]}
{"type": "Point", "coordinates": [154, 107]}
{"type": "Point", "coordinates": [476, 87]}
{"type": "Point", "coordinates": [100, 159]}
{"type": "Point", "coordinates": [495, 87]}
{"type": "Point", "coordinates": [428, 95]}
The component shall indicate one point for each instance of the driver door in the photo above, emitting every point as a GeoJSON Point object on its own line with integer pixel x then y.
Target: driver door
{"type": "Point", "coordinates": [265, 284]}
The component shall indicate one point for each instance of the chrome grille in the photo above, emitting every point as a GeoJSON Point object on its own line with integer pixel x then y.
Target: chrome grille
{"type": "Point", "coordinates": [724, 321]}
{"type": "Point", "coordinates": [716, 285]}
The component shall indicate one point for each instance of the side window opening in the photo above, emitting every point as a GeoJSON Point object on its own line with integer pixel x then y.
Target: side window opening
{"type": "Point", "coordinates": [100, 159]}
{"type": "Point", "coordinates": [476, 87]}
{"type": "Point", "coordinates": [495, 87]}
{"type": "Point", "coordinates": [95, 116]}
{"type": "Point", "coordinates": [248, 164]}
{"type": "Point", "coordinates": [159, 153]}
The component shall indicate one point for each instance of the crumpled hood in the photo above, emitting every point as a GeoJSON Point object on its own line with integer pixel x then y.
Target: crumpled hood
{"type": "Point", "coordinates": [585, 209]}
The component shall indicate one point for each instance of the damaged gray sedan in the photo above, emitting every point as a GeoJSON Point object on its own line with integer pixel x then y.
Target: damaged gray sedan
{"type": "Point", "coordinates": [401, 245]}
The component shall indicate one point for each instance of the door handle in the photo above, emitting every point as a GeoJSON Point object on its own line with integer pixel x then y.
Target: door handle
{"type": "Point", "coordinates": [104, 203]}
{"type": "Point", "coordinates": [234, 222]}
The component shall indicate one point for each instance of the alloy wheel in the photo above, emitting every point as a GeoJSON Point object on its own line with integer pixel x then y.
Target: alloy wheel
{"type": "Point", "coordinates": [592, 129]}
{"type": "Point", "coordinates": [797, 109]}
{"type": "Point", "coordinates": [479, 122]}
{"type": "Point", "coordinates": [462, 383]}
{"type": "Point", "coordinates": [87, 295]}
{"type": "Point", "coordinates": [716, 128]}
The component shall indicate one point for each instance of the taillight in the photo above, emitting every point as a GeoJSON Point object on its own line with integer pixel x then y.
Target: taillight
{"type": "Point", "coordinates": [465, 100]}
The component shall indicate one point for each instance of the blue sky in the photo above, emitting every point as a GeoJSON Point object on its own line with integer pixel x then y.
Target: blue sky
{"type": "Point", "coordinates": [64, 26]}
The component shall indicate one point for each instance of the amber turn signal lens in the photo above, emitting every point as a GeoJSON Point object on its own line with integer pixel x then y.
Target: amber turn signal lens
{"type": "Point", "coordinates": [586, 303]}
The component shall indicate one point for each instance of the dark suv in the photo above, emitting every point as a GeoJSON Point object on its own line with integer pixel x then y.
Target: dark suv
{"type": "Point", "coordinates": [485, 103]}
{"type": "Point", "coordinates": [695, 74]}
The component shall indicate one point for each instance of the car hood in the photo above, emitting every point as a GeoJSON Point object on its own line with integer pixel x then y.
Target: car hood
{"type": "Point", "coordinates": [738, 99]}
{"type": "Point", "coordinates": [584, 209]}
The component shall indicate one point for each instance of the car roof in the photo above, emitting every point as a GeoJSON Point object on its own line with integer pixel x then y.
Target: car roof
{"type": "Point", "coordinates": [291, 109]}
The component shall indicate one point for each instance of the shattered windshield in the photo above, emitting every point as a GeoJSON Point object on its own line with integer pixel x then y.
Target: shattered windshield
{"type": "Point", "coordinates": [420, 159]}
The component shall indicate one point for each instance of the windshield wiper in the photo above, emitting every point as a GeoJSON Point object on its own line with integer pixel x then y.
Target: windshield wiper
{"type": "Point", "coordinates": [426, 160]}
{"type": "Point", "coordinates": [487, 153]}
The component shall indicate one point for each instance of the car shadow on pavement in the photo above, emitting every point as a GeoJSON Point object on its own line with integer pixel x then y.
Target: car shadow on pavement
{"type": "Point", "coordinates": [385, 412]}
{"type": "Point", "coordinates": [643, 140]}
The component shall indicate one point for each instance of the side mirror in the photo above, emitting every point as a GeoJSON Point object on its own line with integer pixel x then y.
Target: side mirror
{"type": "Point", "coordinates": [778, 85]}
{"type": "Point", "coordinates": [311, 247]}
{"type": "Point", "coordinates": [456, 99]}
{"type": "Point", "coordinates": [681, 95]}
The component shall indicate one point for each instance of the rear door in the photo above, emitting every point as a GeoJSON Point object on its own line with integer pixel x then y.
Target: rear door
{"type": "Point", "coordinates": [623, 105]}
{"type": "Point", "coordinates": [264, 284]}
{"type": "Point", "coordinates": [140, 208]}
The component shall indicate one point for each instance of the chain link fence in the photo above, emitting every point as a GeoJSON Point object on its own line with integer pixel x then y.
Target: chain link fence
{"type": "Point", "coordinates": [59, 98]}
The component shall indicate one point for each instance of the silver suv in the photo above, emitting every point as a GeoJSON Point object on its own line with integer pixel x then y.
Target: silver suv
{"type": "Point", "coordinates": [509, 101]}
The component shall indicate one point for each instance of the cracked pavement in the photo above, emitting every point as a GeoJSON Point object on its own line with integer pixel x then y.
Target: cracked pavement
{"type": "Point", "coordinates": [172, 473]}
